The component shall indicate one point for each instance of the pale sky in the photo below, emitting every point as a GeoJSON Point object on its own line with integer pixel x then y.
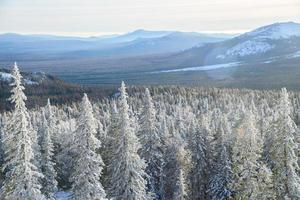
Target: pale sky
{"type": "Point", "coordinates": [98, 17]}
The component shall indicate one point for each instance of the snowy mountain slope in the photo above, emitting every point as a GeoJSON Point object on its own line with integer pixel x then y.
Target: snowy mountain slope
{"type": "Point", "coordinates": [276, 31]}
{"type": "Point", "coordinates": [263, 39]}
{"type": "Point", "coordinates": [262, 43]}
{"type": "Point", "coordinates": [248, 47]}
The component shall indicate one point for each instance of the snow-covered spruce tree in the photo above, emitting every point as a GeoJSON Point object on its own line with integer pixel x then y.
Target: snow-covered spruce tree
{"type": "Point", "coordinates": [51, 119]}
{"type": "Point", "coordinates": [110, 144]}
{"type": "Point", "coordinates": [101, 131]}
{"type": "Point", "coordinates": [127, 181]}
{"type": "Point", "coordinates": [181, 187]}
{"type": "Point", "coordinates": [282, 152]}
{"type": "Point", "coordinates": [176, 167]}
{"type": "Point", "coordinates": [22, 176]}
{"type": "Point", "coordinates": [248, 180]}
{"type": "Point", "coordinates": [222, 172]}
{"type": "Point", "coordinates": [151, 145]}
{"type": "Point", "coordinates": [88, 166]}
{"type": "Point", "coordinates": [49, 182]}
{"type": "Point", "coordinates": [64, 155]}
{"type": "Point", "coordinates": [33, 129]}
{"type": "Point", "coordinates": [3, 121]}
{"type": "Point", "coordinates": [165, 136]}
{"type": "Point", "coordinates": [199, 172]}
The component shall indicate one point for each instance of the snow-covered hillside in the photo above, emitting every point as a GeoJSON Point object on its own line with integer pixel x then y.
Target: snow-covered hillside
{"type": "Point", "coordinates": [277, 31]}
{"type": "Point", "coordinates": [249, 47]}
{"type": "Point", "coordinates": [261, 40]}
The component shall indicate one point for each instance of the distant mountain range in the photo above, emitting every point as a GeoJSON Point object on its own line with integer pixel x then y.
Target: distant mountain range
{"type": "Point", "coordinates": [139, 42]}
{"type": "Point", "coordinates": [266, 57]}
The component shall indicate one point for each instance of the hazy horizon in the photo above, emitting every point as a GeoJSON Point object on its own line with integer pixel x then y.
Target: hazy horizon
{"type": "Point", "coordinates": [96, 18]}
{"type": "Point", "coordinates": [95, 34]}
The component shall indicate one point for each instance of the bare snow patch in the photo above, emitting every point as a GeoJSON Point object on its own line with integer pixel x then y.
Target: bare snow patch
{"type": "Point", "coordinates": [268, 61]}
{"type": "Point", "coordinates": [294, 55]}
{"type": "Point", "coordinates": [220, 56]}
{"type": "Point", "coordinates": [5, 76]}
{"type": "Point", "coordinates": [201, 68]}
{"type": "Point", "coordinates": [63, 195]}
{"type": "Point", "coordinates": [30, 82]}
{"type": "Point", "coordinates": [249, 47]}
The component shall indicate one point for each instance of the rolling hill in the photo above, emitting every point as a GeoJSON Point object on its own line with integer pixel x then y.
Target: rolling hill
{"type": "Point", "coordinates": [40, 86]}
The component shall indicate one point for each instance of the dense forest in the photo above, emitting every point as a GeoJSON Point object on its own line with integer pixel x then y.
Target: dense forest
{"type": "Point", "coordinates": [48, 86]}
{"type": "Point", "coordinates": [169, 143]}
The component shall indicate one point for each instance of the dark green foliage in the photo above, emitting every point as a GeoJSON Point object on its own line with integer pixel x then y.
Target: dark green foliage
{"type": "Point", "coordinates": [58, 91]}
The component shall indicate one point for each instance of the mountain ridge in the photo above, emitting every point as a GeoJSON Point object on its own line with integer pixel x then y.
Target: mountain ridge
{"type": "Point", "coordinates": [16, 46]}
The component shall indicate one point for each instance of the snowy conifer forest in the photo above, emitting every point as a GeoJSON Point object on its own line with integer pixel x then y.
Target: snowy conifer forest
{"type": "Point", "coordinates": [161, 143]}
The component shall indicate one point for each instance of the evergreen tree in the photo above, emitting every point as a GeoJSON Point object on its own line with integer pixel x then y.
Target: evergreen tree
{"type": "Point", "coordinates": [127, 181]}
{"type": "Point", "coordinates": [22, 176]}
{"type": "Point", "coordinates": [222, 173]}
{"type": "Point", "coordinates": [282, 152]}
{"type": "Point", "coordinates": [50, 117]}
{"type": "Point", "coordinates": [247, 166]}
{"type": "Point", "coordinates": [176, 167]}
{"type": "Point", "coordinates": [47, 165]}
{"type": "Point", "coordinates": [64, 153]}
{"type": "Point", "coordinates": [199, 172]}
{"type": "Point", "coordinates": [151, 145]}
{"type": "Point", "coordinates": [165, 136]}
{"type": "Point", "coordinates": [110, 145]}
{"type": "Point", "coordinates": [88, 164]}
{"type": "Point", "coordinates": [180, 192]}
